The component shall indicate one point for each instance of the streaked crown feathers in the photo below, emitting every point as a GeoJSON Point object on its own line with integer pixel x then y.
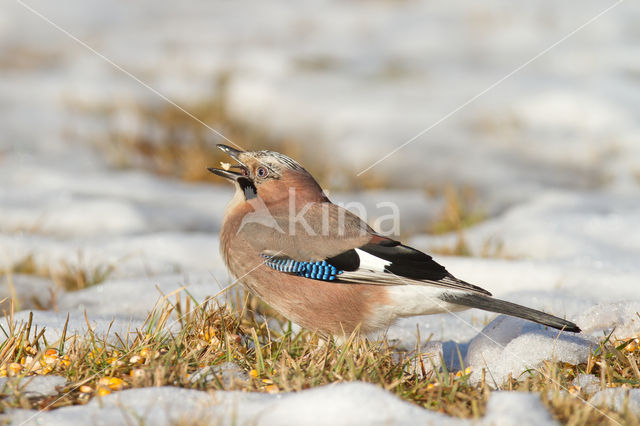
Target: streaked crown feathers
{"type": "Point", "coordinates": [273, 158]}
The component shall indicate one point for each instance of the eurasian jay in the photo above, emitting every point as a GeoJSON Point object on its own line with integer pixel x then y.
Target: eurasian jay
{"type": "Point", "coordinates": [325, 269]}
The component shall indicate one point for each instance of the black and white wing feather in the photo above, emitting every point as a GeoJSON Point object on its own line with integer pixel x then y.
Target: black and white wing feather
{"type": "Point", "coordinates": [386, 262]}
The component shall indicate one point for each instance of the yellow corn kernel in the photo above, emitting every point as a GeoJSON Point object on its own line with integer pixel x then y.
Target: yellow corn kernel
{"type": "Point", "coordinates": [209, 333]}
{"type": "Point", "coordinates": [64, 361]}
{"type": "Point", "coordinates": [272, 389]}
{"type": "Point", "coordinates": [103, 391]}
{"type": "Point", "coordinates": [253, 373]}
{"type": "Point", "coordinates": [115, 361]}
{"type": "Point", "coordinates": [137, 373]}
{"type": "Point", "coordinates": [14, 368]}
{"type": "Point", "coordinates": [50, 357]}
{"type": "Point", "coordinates": [85, 389]}
{"type": "Point", "coordinates": [27, 361]}
{"type": "Point", "coordinates": [113, 383]}
{"type": "Point", "coordinates": [464, 372]}
{"type": "Point", "coordinates": [267, 381]}
{"type": "Point", "coordinates": [44, 370]}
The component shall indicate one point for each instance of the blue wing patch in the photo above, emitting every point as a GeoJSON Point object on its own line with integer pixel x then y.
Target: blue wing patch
{"type": "Point", "coordinates": [320, 270]}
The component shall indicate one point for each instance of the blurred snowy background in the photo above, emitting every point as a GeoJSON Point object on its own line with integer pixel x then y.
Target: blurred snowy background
{"type": "Point", "coordinates": [535, 173]}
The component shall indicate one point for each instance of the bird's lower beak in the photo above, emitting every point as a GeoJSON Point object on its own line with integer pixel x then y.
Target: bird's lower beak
{"type": "Point", "coordinates": [226, 172]}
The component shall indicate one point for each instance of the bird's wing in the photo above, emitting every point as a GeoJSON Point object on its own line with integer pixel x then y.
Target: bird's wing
{"type": "Point", "coordinates": [328, 237]}
{"type": "Point", "coordinates": [319, 231]}
{"type": "Point", "coordinates": [381, 261]}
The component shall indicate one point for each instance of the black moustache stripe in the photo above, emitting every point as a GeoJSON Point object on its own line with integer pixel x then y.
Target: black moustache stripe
{"type": "Point", "coordinates": [248, 188]}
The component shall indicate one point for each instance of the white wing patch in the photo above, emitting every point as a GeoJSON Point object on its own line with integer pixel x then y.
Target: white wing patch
{"type": "Point", "coordinates": [371, 262]}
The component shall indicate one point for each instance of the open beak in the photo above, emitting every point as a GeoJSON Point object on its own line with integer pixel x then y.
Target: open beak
{"type": "Point", "coordinates": [228, 173]}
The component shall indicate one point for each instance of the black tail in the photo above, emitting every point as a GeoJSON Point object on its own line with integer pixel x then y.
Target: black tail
{"type": "Point", "coordinates": [500, 306]}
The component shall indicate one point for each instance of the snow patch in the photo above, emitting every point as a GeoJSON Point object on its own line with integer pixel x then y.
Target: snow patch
{"type": "Point", "coordinates": [510, 346]}
{"type": "Point", "coordinates": [618, 399]}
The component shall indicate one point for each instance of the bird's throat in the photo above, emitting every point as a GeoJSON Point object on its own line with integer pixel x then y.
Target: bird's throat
{"type": "Point", "coordinates": [248, 188]}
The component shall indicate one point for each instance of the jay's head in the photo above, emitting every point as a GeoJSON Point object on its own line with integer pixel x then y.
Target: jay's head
{"type": "Point", "coordinates": [269, 175]}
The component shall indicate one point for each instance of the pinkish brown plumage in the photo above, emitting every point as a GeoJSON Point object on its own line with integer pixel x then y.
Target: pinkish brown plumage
{"type": "Point", "coordinates": [324, 268]}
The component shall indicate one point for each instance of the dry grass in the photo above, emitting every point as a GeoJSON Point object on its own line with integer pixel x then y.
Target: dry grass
{"type": "Point", "coordinates": [68, 276]}
{"type": "Point", "coordinates": [279, 360]}
{"type": "Point", "coordinates": [162, 139]}
{"type": "Point", "coordinates": [20, 58]}
{"type": "Point", "coordinates": [461, 211]}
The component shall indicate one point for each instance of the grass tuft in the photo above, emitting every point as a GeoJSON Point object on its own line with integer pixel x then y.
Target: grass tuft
{"type": "Point", "coordinates": [232, 347]}
{"type": "Point", "coordinates": [68, 276]}
{"type": "Point", "coordinates": [461, 211]}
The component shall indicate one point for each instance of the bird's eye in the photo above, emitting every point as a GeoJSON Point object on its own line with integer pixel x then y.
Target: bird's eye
{"type": "Point", "coordinates": [261, 172]}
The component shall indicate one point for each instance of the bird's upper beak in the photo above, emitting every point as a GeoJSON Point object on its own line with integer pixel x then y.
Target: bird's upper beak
{"type": "Point", "coordinates": [231, 174]}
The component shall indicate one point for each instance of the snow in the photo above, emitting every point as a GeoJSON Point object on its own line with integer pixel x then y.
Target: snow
{"type": "Point", "coordinates": [33, 292]}
{"type": "Point", "coordinates": [54, 323]}
{"type": "Point", "coordinates": [35, 386]}
{"type": "Point", "coordinates": [116, 295]}
{"type": "Point", "coordinates": [228, 372]}
{"type": "Point", "coordinates": [516, 409]}
{"type": "Point", "coordinates": [619, 399]}
{"type": "Point", "coordinates": [505, 347]}
{"type": "Point", "coordinates": [343, 404]}
{"type": "Point", "coordinates": [623, 314]}
{"type": "Point", "coordinates": [349, 404]}
{"type": "Point", "coordinates": [587, 229]}
{"type": "Point", "coordinates": [551, 153]}
{"type": "Point", "coordinates": [588, 383]}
